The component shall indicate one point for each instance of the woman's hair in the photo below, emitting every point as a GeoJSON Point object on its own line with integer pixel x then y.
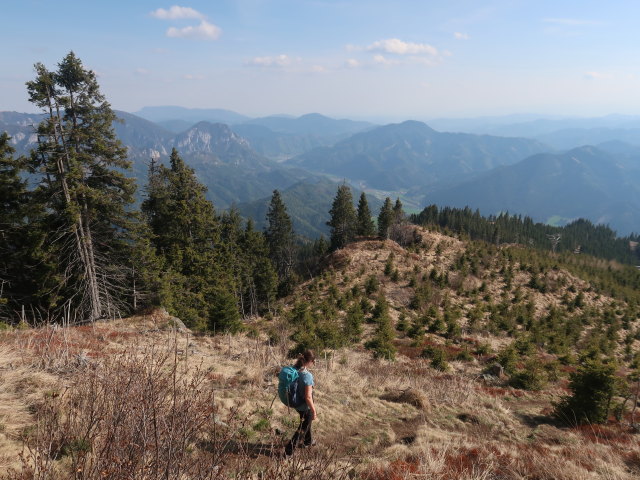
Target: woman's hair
{"type": "Point", "coordinates": [305, 357]}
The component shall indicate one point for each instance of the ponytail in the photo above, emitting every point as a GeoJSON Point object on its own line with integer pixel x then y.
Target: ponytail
{"type": "Point", "coordinates": [304, 358]}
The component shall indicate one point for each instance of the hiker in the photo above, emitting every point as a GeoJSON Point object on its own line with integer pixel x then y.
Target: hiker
{"type": "Point", "coordinates": [307, 409]}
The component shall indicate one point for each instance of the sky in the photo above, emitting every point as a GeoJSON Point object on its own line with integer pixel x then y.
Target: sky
{"type": "Point", "coordinates": [360, 59]}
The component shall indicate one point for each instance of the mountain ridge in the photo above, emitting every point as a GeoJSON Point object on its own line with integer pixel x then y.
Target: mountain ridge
{"type": "Point", "coordinates": [412, 154]}
{"type": "Point", "coordinates": [565, 185]}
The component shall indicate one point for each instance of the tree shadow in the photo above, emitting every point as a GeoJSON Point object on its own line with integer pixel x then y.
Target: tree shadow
{"type": "Point", "coordinates": [534, 421]}
{"type": "Point", "coordinates": [248, 449]}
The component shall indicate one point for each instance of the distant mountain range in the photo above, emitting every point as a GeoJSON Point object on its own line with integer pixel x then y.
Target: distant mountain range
{"type": "Point", "coordinates": [223, 161]}
{"type": "Point", "coordinates": [583, 183]}
{"type": "Point", "coordinates": [190, 115]}
{"type": "Point", "coordinates": [278, 137]}
{"type": "Point", "coordinates": [560, 133]}
{"type": "Point", "coordinates": [575, 137]}
{"type": "Point", "coordinates": [531, 125]}
{"type": "Point", "coordinates": [421, 165]}
{"type": "Point", "coordinates": [413, 155]}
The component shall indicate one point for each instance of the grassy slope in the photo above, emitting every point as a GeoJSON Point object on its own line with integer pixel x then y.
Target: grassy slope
{"type": "Point", "coordinates": [377, 419]}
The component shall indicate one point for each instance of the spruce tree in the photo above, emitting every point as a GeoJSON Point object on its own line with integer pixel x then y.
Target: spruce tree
{"type": "Point", "coordinates": [385, 219]}
{"type": "Point", "coordinates": [183, 221]}
{"type": "Point", "coordinates": [86, 195]}
{"type": "Point", "coordinates": [24, 270]}
{"type": "Point", "coordinates": [593, 386]}
{"type": "Point", "coordinates": [353, 323]}
{"type": "Point", "coordinates": [365, 226]}
{"type": "Point", "coordinates": [343, 218]}
{"type": "Point", "coordinates": [398, 212]}
{"type": "Point", "coordinates": [261, 284]}
{"type": "Point", "coordinates": [186, 235]}
{"type": "Point", "coordinates": [281, 241]}
{"type": "Point", "coordinates": [382, 341]}
{"type": "Point", "coordinates": [223, 315]}
{"type": "Point", "coordinates": [13, 197]}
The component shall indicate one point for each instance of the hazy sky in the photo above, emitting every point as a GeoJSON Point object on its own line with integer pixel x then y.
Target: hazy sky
{"type": "Point", "coordinates": [358, 59]}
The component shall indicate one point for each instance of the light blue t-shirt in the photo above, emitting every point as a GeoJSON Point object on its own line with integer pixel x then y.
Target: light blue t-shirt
{"type": "Point", "coordinates": [306, 380]}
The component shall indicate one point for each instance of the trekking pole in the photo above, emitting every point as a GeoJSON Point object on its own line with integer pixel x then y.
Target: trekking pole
{"type": "Point", "coordinates": [274, 399]}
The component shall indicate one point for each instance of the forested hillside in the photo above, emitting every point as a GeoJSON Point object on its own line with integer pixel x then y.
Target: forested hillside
{"type": "Point", "coordinates": [580, 236]}
{"type": "Point", "coordinates": [411, 154]}
{"type": "Point", "coordinates": [582, 183]}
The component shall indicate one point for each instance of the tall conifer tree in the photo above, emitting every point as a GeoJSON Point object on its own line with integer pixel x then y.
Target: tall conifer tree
{"type": "Point", "coordinates": [398, 212]}
{"type": "Point", "coordinates": [80, 161]}
{"type": "Point", "coordinates": [13, 197]}
{"type": "Point", "coordinates": [280, 239]}
{"type": "Point", "coordinates": [261, 280]}
{"type": "Point", "coordinates": [343, 218]}
{"type": "Point", "coordinates": [365, 226]}
{"type": "Point", "coordinates": [21, 249]}
{"type": "Point", "coordinates": [186, 234]}
{"type": "Point", "coordinates": [385, 219]}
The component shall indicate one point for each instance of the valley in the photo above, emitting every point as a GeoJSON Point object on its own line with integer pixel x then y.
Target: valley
{"type": "Point", "coordinates": [241, 164]}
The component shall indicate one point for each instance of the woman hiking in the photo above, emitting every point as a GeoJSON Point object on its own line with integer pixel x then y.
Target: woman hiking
{"type": "Point", "coordinates": [307, 409]}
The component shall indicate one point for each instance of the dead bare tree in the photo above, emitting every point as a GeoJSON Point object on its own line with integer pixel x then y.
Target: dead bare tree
{"type": "Point", "coordinates": [554, 238]}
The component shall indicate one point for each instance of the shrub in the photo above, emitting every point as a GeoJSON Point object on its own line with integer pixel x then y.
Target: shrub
{"type": "Point", "coordinates": [382, 341]}
{"type": "Point", "coordinates": [593, 387]}
{"type": "Point", "coordinates": [438, 325]}
{"type": "Point", "coordinates": [388, 266]}
{"type": "Point", "coordinates": [508, 359]}
{"type": "Point", "coordinates": [365, 305]}
{"type": "Point", "coordinates": [371, 285]}
{"type": "Point", "coordinates": [353, 323]}
{"type": "Point", "coordinates": [395, 276]}
{"type": "Point", "coordinates": [532, 377]}
{"type": "Point", "coordinates": [437, 356]}
{"type": "Point", "coordinates": [402, 325]}
{"type": "Point", "coordinates": [464, 356]}
{"type": "Point", "coordinates": [483, 349]}
{"type": "Point", "coordinates": [453, 329]}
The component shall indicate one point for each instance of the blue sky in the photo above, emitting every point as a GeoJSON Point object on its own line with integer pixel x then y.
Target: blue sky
{"type": "Point", "coordinates": [358, 59]}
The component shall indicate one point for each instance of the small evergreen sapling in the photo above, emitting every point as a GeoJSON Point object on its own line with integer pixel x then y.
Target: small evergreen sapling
{"type": "Point", "coordinates": [593, 386]}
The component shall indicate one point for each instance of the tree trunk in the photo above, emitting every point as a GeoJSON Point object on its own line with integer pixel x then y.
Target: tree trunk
{"type": "Point", "coordinates": [79, 229]}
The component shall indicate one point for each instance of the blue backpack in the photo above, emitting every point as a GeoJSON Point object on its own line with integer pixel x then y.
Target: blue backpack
{"type": "Point", "coordinates": [288, 387]}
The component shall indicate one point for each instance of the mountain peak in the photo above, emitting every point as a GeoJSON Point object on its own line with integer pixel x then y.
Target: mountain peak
{"type": "Point", "coordinates": [313, 116]}
{"type": "Point", "coordinates": [207, 137]}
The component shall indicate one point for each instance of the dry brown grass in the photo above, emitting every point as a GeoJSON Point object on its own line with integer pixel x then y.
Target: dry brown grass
{"type": "Point", "coordinates": [377, 419]}
{"type": "Point", "coordinates": [442, 426]}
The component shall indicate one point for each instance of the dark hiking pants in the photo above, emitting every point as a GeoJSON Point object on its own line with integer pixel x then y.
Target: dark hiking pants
{"type": "Point", "coordinates": [302, 433]}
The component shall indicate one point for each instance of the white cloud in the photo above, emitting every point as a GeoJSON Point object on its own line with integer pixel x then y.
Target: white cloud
{"type": "Point", "coordinates": [141, 71]}
{"type": "Point", "coordinates": [573, 22]}
{"type": "Point", "coordinates": [597, 76]}
{"type": "Point", "coordinates": [398, 47]}
{"type": "Point", "coordinates": [176, 12]}
{"type": "Point", "coordinates": [382, 60]}
{"type": "Point", "coordinates": [279, 61]}
{"type": "Point", "coordinates": [189, 76]}
{"type": "Point", "coordinates": [352, 63]}
{"type": "Point", "coordinates": [204, 31]}
{"type": "Point", "coordinates": [318, 69]}
{"type": "Point", "coordinates": [393, 51]}
{"type": "Point", "coordinates": [461, 36]}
